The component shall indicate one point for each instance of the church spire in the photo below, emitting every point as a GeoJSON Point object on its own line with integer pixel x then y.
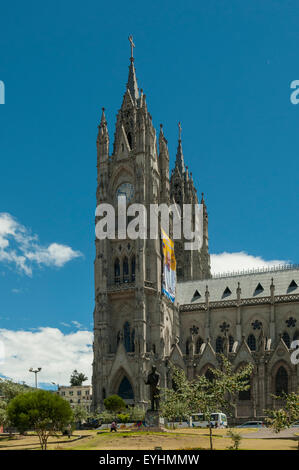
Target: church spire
{"type": "Point", "coordinates": [132, 80]}
{"type": "Point", "coordinates": [103, 139]}
{"type": "Point", "coordinates": [103, 119]}
{"type": "Point", "coordinates": [179, 155]}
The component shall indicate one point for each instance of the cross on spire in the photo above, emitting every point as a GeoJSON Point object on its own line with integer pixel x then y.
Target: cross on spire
{"type": "Point", "coordinates": [132, 45]}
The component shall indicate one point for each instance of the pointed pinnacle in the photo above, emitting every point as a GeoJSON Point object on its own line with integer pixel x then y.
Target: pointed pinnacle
{"type": "Point", "coordinates": [103, 118]}
{"type": "Point", "coordinates": [132, 85]}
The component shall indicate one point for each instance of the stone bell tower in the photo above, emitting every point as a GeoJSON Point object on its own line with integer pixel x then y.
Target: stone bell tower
{"type": "Point", "coordinates": [191, 264]}
{"type": "Point", "coordinates": [134, 324]}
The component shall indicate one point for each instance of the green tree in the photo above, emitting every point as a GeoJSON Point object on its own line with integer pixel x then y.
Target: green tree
{"type": "Point", "coordinates": [136, 413]}
{"type": "Point", "coordinates": [80, 413]}
{"type": "Point", "coordinates": [41, 410]}
{"type": "Point", "coordinates": [8, 391]}
{"type": "Point", "coordinates": [284, 417]}
{"type": "Point", "coordinates": [3, 413]}
{"type": "Point", "coordinates": [204, 395]}
{"type": "Point", "coordinates": [123, 418]}
{"type": "Point", "coordinates": [105, 416]}
{"type": "Point", "coordinates": [77, 378]}
{"type": "Point", "coordinates": [114, 403]}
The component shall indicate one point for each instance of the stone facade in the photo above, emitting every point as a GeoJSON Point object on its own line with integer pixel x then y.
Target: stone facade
{"type": "Point", "coordinates": [135, 325]}
{"type": "Point", "coordinates": [251, 317]}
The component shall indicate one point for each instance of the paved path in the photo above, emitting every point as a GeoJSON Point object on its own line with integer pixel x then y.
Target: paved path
{"type": "Point", "coordinates": [265, 433]}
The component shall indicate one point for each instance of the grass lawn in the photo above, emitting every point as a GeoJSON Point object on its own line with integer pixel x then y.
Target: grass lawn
{"type": "Point", "coordinates": [144, 440]}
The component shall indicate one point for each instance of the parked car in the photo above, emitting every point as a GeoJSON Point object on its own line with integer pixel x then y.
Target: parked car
{"type": "Point", "coordinates": [252, 424]}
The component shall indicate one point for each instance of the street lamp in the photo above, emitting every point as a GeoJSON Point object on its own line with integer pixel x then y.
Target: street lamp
{"type": "Point", "coordinates": [36, 371]}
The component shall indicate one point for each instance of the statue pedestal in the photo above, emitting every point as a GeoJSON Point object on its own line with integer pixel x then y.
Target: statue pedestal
{"type": "Point", "coordinates": [153, 419]}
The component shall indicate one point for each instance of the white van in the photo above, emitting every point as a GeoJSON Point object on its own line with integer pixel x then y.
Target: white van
{"type": "Point", "coordinates": [179, 423]}
{"type": "Point", "coordinates": [218, 420]}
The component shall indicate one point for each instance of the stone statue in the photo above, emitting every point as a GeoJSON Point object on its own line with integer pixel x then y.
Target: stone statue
{"type": "Point", "coordinates": [261, 341]}
{"type": "Point", "coordinates": [225, 345]}
{"type": "Point", "coordinates": [153, 380]}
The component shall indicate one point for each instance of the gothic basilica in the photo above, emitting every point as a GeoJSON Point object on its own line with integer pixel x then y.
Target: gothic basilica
{"type": "Point", "coordinates": [252, 317]}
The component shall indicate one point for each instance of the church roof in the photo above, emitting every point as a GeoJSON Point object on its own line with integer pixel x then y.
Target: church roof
{"type": "Point", "coordinates": [254, 284]}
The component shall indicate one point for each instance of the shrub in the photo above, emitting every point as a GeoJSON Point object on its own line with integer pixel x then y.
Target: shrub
{"type": "Point", "coordinates": [236, 438]}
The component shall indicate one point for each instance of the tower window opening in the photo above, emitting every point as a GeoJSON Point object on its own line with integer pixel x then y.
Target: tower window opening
{"type": "Point", "coordinates": [286, 339]}
{"type": "Point", "coordinates": [125, 270]}
{"type": "Point", "coordinates": [226, 293]}
{"type": "Point", "coordinates": [251, 341]}
{"type": "Point", "coordinates": [259, 288]}
{"type": "Point", "coordinates": [133, 268]}
{"type": "Point", "coordinates": [116, 271]}
{"type": "Point", "coordinates": [199, 343]}
{"type": "Point", "coordinates": [196, 295]}
{"type": "Point", "coordinates": [129, 137]}
{"type": "Point", "coordinates": [293, 286]}
{"type": "Point", "coordinates": [129, 338]}
{"type": "Point", "coordinates": [245, 394]}
{"type": "Point", "coordinates": [281, 382]}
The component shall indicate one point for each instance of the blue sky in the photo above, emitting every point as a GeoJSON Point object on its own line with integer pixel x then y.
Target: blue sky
{"type": "Point", "coordinates": [221, 68]}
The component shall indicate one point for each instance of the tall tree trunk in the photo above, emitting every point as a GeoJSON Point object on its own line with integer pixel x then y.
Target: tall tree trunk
{"type": "Point", "coordinates": [211, 438]}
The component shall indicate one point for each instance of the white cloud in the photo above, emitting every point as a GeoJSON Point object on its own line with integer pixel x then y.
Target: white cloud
{"type": "Point", "coordinates": [22, 249]}
{"type": "Point", "coordinates": [17, 291]}
{"type": "Point", "coordinates": [56, 353]}
{"type": "Point", "coordinates": [230, 262]}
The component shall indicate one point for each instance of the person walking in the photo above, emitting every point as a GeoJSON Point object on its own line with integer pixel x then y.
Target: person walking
{"type": "Point", "coordinates": [113, 426]}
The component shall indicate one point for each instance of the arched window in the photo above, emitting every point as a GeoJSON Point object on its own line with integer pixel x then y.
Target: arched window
{"type": "Point", "coordinates": [296, 336]}
{"type": "Point", "coordinates": [133, 268]}
{"type": "Point", "coordinates": [116, 271]}
{"type": "Point", "coordinates": [281, 382]}
{"type": "Point", "coordinates": [125, 269]}
{"type": "Point", "coordinates": [231, 342]}
{"type": "Point", "coordinates": [174, 385]}
{"type": "Point", "coordinates": [127, 337]}
{"type": "Point", "coordinates": [219, 344]}
{"type": "Point", "coordinates": [118, 338]}
{"type": "Point", "coordinates": [199, 342]}
{"type": "Point", "coordinates": [188, 342]}
{"type": "Point", "coordinates": [245, 394]}
{"type": "Point", "coordinates": [125, 390]}
{"type": "Point", "coordinates": [133, 341]}
{"type": "Point", "coordinates": [129, 136]}
{"type": "Point", "coordinates": [251, 341]}
{"type": "Point", "coordinates": [286, 338]}
{"type": "Point", "coordinates": [209, 375]}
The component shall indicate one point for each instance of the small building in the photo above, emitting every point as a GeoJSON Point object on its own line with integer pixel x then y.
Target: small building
{"type": "Point", "coordinates": [77, 395]}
